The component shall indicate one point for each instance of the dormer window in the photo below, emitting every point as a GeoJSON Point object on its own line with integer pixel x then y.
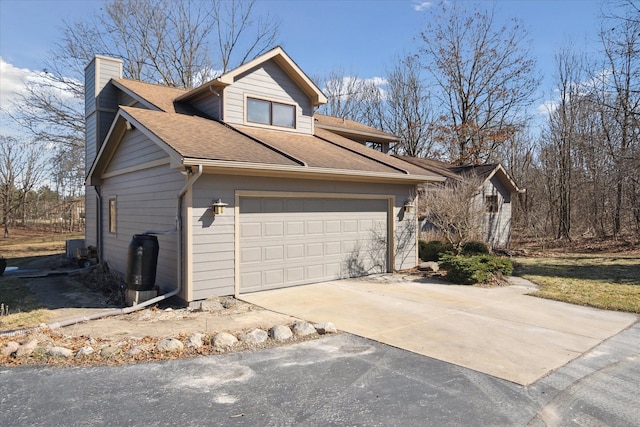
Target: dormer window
{"type": "Point", "coordinates": [271, 113]}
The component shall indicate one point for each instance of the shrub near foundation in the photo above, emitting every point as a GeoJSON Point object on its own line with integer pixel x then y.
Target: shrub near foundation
{"type": "Point", "coordinates": [474, 248]}
{"type": "Point", "coordinates": [431, 251]}
{"type": "Point", "coordinates": [474, 269]}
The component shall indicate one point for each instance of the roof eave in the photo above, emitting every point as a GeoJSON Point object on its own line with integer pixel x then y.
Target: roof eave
{"type": "Point", "coordinates": [263, 169]}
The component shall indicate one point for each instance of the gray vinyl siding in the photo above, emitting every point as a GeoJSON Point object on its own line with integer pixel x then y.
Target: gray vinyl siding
{"type": "Point", "coordinates": [210, 105]}
{"type": "Point", "coordinates": [214, 238]}
{"type": "Point", "coordinates": [90, 225]}
{"type": "Point", "coordinates": [90, 88]}
{"type": "Point", "coordinates": [135, 149]}
{"type": "Point", "coordinates": [497, 226]}
{"type": "Point", "coordinates": [100, 109]}
{"type": "Point", "coordinates": [126, 99]}
{"type": "Point", "coordinates": [145, 200]}
{"type": "Point", "coordinates": [271, 83]}
{"type": "Point", "coordinates": [90, 142]}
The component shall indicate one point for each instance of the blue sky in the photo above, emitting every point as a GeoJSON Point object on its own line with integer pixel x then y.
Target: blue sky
{"type": "Point", "coordinates": [362, 37]}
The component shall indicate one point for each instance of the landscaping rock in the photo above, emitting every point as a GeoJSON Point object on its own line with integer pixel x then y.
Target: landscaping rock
{"type": "Point", "coordinates": [195, 340]}
{"type": "Point", "coordinates": [139, 349]}
{"type": "Point", "coordinates": [280, 333]}
{"type": "Point", "coordinates": [27, 348]}
{"type": "Point", "coordinates": [228, 302]}
{"type": "Point", "coordinates": [325, 328]}
{"type": "Point", "coordinates": [109, 351]}
{"type": "Point", "coordinates": [10, 347]}
{"type": "Point", "coordinates": [170, 344]}
{"type": "Point", "coordinates": [302, 329]}
{"type": "Point", "coordinates": [85, 351]}
{"type": "Point", "coordinates": [256, 336]}
{"type": "Point", "coordinates": [429, 266]}
{"type": "Point", "coordinates": [59, 352]}
{"type": "Point", "coordinates": [211, 304]}
{"type": "Point", "coordinates": [224, 340]}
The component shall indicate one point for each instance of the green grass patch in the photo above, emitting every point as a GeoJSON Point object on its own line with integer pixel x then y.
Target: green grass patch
{"type": "Point", "coordinates": [607, 281]}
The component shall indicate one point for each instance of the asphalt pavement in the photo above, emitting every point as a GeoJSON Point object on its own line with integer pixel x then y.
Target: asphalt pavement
{"type": "Point", "coordinates": [337, 380]}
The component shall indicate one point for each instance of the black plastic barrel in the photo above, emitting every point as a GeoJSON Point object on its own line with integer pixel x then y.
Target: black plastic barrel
{"type": "Point", "coordinates": [142, 261]}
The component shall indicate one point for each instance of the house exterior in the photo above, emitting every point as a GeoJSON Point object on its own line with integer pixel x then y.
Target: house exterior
{"type": "Point", "coordinates": [302, 203]}
{"type": "Point", "coordinates": [494, 195]}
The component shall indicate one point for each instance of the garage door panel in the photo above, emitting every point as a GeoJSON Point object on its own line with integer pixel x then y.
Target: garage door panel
{"type": "Point", "coordinates": [274, 253]}
{"type": "Point", "coordinates": [332, 248]}
{"type": "Point", "coordinates": [251, 229]}
{"type": "Point", "coordinates": [274, 277]}
{"type": "Point", "coordinates": [315, 272]}
{"type": "Point", "coordinates": [295, 251]}
{"type": "Point", "coordinates": [295, 228]}
{"type": "Point", "coordinates": [250, 254]}
{"type": "Point", "coordinates": [349, 225]}
{"type": "Point", "coordinates": [314, 227]}
{"type": "Point", "coordinates": [308, 240]}
{"type": "Point", "coordinates": [331, 227]}
{"type": "Point", "coordinates": [273, 229]}
{"type": "Point", "coordinates": [315, 249]}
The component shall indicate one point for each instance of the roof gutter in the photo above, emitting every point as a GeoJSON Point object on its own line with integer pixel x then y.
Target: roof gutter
{"type": "Point", "coordinates": [310, 171]}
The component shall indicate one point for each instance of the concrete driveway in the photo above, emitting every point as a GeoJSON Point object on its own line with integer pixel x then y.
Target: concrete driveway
{"type": "Point", "coordinates": [498, 331]}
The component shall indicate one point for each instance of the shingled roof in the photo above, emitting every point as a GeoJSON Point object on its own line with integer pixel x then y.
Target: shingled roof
{"type": "Point", "coordinates": [458, 173]}
{"type": "Point", "coordinates": [352, 129]}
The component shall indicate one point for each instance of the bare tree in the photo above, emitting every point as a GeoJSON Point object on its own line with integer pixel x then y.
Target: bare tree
{"type": "Point", "coordinates": [349, 96]}
{"type": "Point", "coordinates": [454, 209]}
{"type": "Point", "coordinates": [486, 77]}
{"type": "Point", "coordinates": [409, 113]}
{"type": "Point", "coordinates": [563, 134]}
{"type": "Point", "coordinates": [21, 169]}
{"type": "Point", "coordinates": [174, 43]}
{"type": "Point", "coordinates": [619, 98]}
{"type": "Point", "coordinates": [240, 34]}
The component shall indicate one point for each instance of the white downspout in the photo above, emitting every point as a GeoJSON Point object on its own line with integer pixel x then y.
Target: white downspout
{"type": "Point", "coordinates": [136, 307]}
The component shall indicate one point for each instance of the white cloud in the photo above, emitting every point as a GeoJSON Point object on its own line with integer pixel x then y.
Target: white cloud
{"type": "Point", "coordinates": [12, 83]}
{"type": "Point", "coordinates": [546, 108]}
{"type": "Point", "coordinates": [419, 6]}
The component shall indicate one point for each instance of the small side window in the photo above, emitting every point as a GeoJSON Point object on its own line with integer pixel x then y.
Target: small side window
{"type": "Point", "coordinates": [491, 204]}
{"type": "Point", "coordinates": [112, 215]}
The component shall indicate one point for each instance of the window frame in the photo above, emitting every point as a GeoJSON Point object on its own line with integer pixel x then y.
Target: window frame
{"type": "Point", "coordinates": [271, 104]}
{"type": "Point", "coordinates": [113, 215]}
{"type": "Point", "coordinates": [491, 203]}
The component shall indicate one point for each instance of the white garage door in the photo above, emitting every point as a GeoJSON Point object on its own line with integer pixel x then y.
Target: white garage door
{"type": "Point", "coordinates": [294, 241]}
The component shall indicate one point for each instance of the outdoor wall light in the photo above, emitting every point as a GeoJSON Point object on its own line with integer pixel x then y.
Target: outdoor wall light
{"type": "Point", "coordinates": [408, 207]}
{"type": "Point", "coordinates": [218, 207]}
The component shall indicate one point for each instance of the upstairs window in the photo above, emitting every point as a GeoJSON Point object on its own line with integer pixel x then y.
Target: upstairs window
{"type": "Point", "coordinates": [271, 113]}
{"type": "Point", "coordinates": [491, 204]}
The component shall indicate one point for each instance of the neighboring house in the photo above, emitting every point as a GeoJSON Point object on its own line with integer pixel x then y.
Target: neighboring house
{"type": "Point", "coordinates": [303, 202]}
{"type": "Point", "coordinates": [495, 195]}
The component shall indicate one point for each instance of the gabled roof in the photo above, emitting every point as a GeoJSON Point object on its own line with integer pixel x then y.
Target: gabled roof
{"type": "Point", "coordinates": [484, 172]}
{"type": "Point", "coordinates": [353, 130]}
{"type": "Point", "coordinates": [191, 140]}
{"type": "Point", "coordinates": [276, 54]}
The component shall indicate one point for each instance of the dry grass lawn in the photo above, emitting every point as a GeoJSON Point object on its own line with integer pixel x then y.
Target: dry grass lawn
{"type": "Point", "coordinates": [607, 281]}
{"type": "Point", "coordinates": [26, 249]}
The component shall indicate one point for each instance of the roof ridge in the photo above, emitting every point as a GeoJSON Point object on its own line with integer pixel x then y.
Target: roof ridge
{"type": "Point", "coordinates": [269, 146]}
{"type": "Point", "coordinates": [404, 171]}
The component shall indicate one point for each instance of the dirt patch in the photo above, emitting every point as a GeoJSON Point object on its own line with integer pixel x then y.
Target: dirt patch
{"type": "Point", "coordinates": [67, 294]}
